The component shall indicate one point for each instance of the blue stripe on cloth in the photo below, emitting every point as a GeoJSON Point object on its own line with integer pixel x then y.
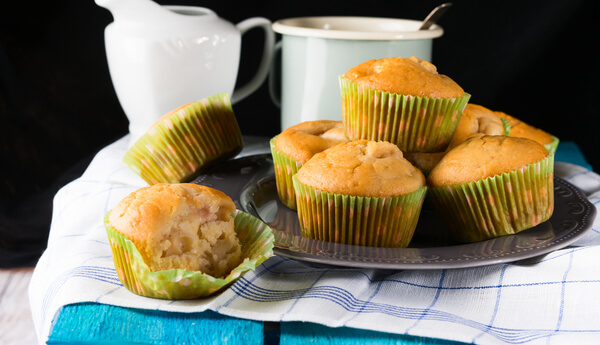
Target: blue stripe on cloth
{"type": "Point", "coordinates": [262, 269]}
{"type": "Point", "coordinates": [496, 306]}
{"type": "Point", "coordinates": [301, 295]}
{"type": "Point", "coordinates": [376, 290]}
{"type": "Point", "coordinates": [255, 293]}
{"type": "Point", "coordinates": [562, 296]}
{"type": "Point", "coordinates": [103, 274]}
{"type": "Point", "coordinates": [348, 301]}
{"type": "Point", "coordinates": [435, 299]}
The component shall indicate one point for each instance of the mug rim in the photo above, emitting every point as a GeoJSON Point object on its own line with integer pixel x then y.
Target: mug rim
{"type": "Point", "coordinates": [297, 26]}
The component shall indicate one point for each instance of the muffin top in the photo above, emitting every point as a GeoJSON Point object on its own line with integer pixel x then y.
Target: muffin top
{"type": "Point", "coordinates": [407, 76]}
{"type": "Point", "coordinates": [481, 157]}
{"type": "Point", "coordinates": [362, 168]}
{"type": "Point", "coordinates": [180, 225]}
{"type": "Point", "coordinates": [302, 141]}
{"type": "Point", "coordinates": [475, 121]}
{"type": "Point", "coordinates": [521, 129]}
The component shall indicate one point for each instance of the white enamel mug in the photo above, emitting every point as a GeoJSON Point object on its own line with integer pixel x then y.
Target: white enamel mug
{"type": "Point", "coordinates": [316, 50]}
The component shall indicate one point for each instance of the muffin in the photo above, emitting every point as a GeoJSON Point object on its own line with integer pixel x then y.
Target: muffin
{"type": "Point", "coordinates": [404, 101]}
{"type": "Point", "coordinates": [521, 129]}
{"type": "Point", "coordinates": [182, 240]}
{"type": "Point", "coordinates": [295, 145]}
{"type": "Point", "coordinates": [184, 141]}
{"type": "Point", "coordinates": [360, 193]}
{"type": "Point", "coordinates": [492, 186]}
{"type": "Point", "coordinates": [475, 121]}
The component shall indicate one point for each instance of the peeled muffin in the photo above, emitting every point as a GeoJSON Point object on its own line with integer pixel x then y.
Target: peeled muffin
{"type": "Point", "coordinates": [180, 226]}
{"type": "Point", "coordinates": [360, 193]}
{"type": "Point", "coordinates": [491, 186]}
{"type": "Point", "coordinates": [404, 101]}
{"type": "Point", "coordinates": [295, 145]}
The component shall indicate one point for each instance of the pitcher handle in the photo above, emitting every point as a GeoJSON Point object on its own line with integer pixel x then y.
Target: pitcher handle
{"type": "Point", "coordinates": [275, 76]}
{"type": "Point", "coordinates": [263, 68]}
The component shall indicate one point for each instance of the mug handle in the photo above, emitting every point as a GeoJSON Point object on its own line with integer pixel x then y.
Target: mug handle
{"type": "Point", "coordinates": [275, 76]}
{"type": "Point", "coordinates": [263, 68]}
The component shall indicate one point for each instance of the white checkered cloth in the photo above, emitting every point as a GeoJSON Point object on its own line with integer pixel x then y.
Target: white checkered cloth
{"type": "Point", "coordinates": [554, 301]}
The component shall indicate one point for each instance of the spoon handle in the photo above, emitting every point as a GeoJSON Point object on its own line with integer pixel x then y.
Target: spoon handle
{"type": "Point", "coordinates": [435, 15]}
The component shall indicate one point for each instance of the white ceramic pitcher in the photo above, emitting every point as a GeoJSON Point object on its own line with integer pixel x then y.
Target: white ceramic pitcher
{"type": "Point", "coordinates": [162, 57]}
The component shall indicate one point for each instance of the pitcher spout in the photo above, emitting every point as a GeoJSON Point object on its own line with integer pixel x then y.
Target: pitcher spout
{"type": "Point", "coordinates": [133, 10]}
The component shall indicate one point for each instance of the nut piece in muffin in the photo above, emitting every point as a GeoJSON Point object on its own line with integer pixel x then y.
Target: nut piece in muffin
{"type": "Point", "coordinates": [401, 100]}
{"type": "Point", "coordinates": [361, 193]}
{"type": "Point", "coordinates": [180, 226]}
{"type": "Point", "coordinates": [295, 145]}
{"type": "Point", "coordinates": [491, 186]}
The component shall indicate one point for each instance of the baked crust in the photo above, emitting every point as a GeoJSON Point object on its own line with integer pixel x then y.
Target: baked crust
{"type": "Point", "coordinates": [362, 168]}
{"type": "Point", "coordinates": [485, 156]}
{"type": "Point", "coordinates": [407, 76]}
{"type": "Point", "coordinates": [475, 121]}
{"type": "Point", "coordinates": [300, 142]}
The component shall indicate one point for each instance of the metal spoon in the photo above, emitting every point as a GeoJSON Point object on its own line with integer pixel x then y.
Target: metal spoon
{"type": "Point", "coordinates": [435, 15]}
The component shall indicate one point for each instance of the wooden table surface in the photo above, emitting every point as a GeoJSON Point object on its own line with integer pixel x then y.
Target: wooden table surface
{"type": "Point", "coordinates": [16, 324]}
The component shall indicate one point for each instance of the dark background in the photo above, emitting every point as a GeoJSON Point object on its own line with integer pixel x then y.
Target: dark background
{"type": "Point", "coordinates": [530, 59]}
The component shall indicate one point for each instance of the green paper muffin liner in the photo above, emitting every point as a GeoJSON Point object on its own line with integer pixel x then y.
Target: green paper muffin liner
{"type": "Point", "coordinates": [551, 147]}
{"type": "Point", "coordinates": [355, 220]}
{"type": "Point", "coordinates": [285, 168]}
{"type": "Point", "coordinates": [177, 147]}
{"type": "Point", "coordinates": [414, 124]}
{"type": "Point", "coordinates": [499, 205]}
{"type": "Point", "coordinates": [256, 239]}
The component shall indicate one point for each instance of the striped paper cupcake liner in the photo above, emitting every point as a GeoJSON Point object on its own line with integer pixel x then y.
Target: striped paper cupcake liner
{"type": "Point", "coordinates": [551, 147]}
{"type": "Point", "coordinates": [499, 205]}
{"type": "Point", "coordinates": [285, 168]}
{"type": "Point", "coordinates": [414, 124]}
{"type": "Point", "coordinates": [355, 220]}
{"type": "Point", "coordinates": [181, 143]}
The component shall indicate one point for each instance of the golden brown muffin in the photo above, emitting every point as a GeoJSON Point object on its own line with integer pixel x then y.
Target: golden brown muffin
{"type": "Point", "coordinates": [475, 121]}
{"type": "Point", "coordinates": [180, 226]}
{"type": "Point", "coordinates": [362, 168]}
{"type": "Point", "coordinates": [491, 186]}
{"type": "Point", "coordinates": [482, 121]}
{"type": "Point", "coordinates": [521, 129]}
{"type": "Point", "coordinates": [407, 76]}
{"type": "Point", "coordinates": [404, 101]}
{"type": "Point", "coordinates": [303, 140]}
{"type": "Point", "coordinates": [295, 146]}
{"type": "Point", "coordinates": [360, 193]}
{"type": "Point", "coordinates": [485, 156]}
